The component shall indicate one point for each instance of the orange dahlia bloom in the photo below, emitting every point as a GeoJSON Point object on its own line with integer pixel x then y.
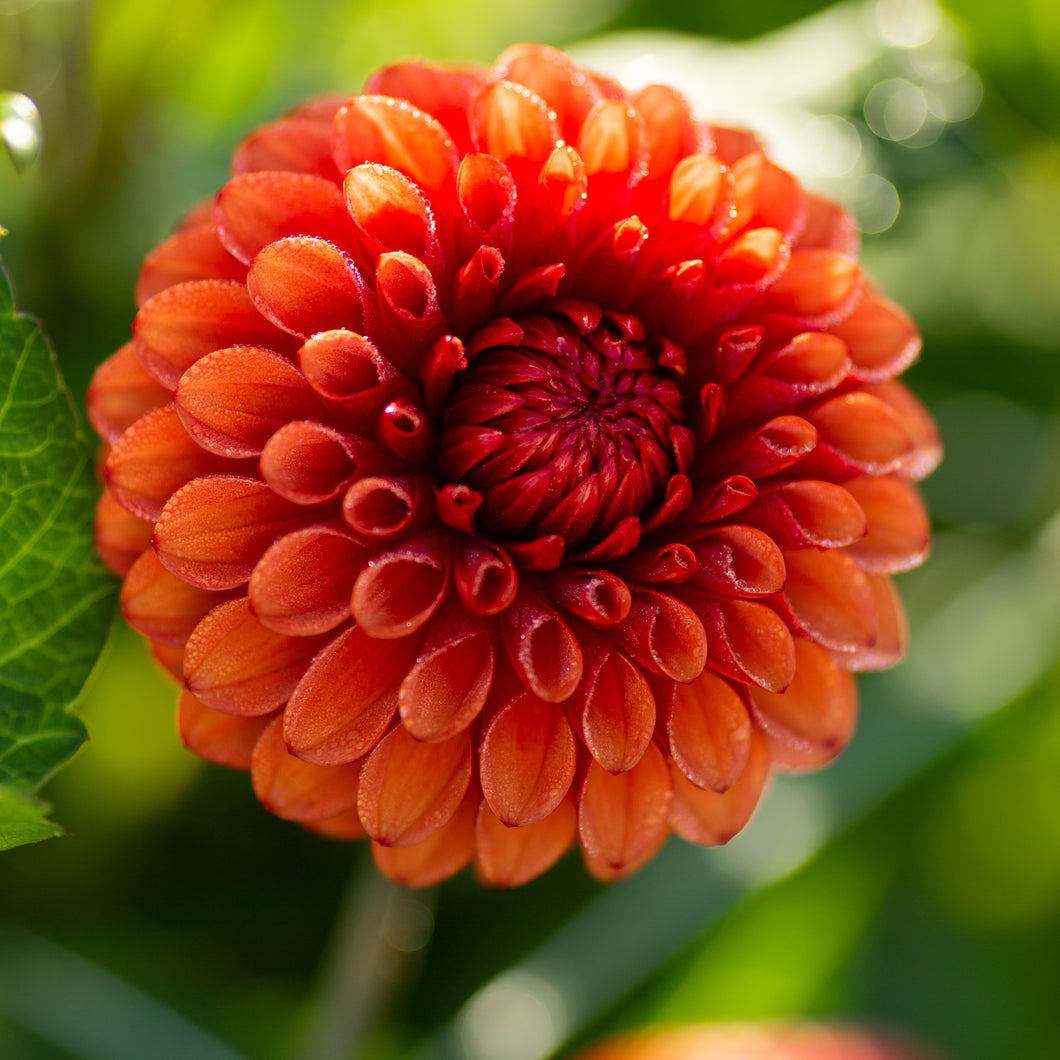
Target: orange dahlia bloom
{"type": "Point", "coordinates": [503, 460]}
{"type": "Point", "coordinates": [751, 1042]}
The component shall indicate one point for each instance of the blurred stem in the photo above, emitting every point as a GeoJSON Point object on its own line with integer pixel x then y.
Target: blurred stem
{"type": "Point", "coordinates": [376, 938]}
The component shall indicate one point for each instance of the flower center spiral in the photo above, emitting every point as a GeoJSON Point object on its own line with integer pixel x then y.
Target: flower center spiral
{"type": "Point", "coordinates": [564, 427]}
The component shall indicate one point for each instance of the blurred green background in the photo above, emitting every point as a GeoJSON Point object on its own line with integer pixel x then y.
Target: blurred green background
{"type": "Point", "coordinates": [916, 885]}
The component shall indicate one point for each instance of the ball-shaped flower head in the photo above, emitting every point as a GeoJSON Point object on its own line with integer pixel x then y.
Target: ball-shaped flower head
{"type": "Point", "coordinates": [503, 460]}
{"type": "Point", "coordinates": [758, 1042]}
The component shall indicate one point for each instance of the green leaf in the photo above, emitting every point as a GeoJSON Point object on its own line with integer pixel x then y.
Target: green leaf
{"type": "Point", "coordinates": [56, 598]}
{"type": "Point", "coordinates": [23, 820]}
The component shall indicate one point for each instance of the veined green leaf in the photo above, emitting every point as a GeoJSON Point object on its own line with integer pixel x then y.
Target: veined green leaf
{"type": "Point", "coordinates": [56, 598]}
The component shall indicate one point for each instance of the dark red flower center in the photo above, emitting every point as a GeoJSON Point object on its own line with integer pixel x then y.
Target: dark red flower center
{"type": "Point", "coordinates": [564, 426]}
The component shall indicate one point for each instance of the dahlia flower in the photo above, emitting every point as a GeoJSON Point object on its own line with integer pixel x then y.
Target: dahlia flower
{"type": "Point", "coordinates": [502, 460]}
{"type": "Point", "coordinates": [751, 1042]}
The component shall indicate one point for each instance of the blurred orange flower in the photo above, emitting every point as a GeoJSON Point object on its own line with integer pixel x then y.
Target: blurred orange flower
{"type": "Point", "coordinates": [752, 1042]}
{"type": "Point", "coordinates": [503, 460]}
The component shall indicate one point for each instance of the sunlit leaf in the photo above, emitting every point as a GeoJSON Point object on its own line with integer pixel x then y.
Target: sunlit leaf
{"type": "Point", "coordinates": [56, 598]}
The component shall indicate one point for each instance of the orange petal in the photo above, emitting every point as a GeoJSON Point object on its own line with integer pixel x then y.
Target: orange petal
{"type": "Point", "coordinates": [485, 577]}
{"type": "Point", "coordinates": [613, 141]}
{"type": "Point", "coordinates": [451, 678]}
{"type": "Point", "coordinates": [831, 596]}
{"type": "Point", "coordinates": [224, 739]}
{"type": "Point", "coordinates": [153, 459]}
{"type": "Point", "coordinates": [918, 425]}
{"type": "Point", "coordinates": [527, 758]}
{"type": "Point", "coordinates": [663, 635]}
{"type": "Point", "coordinates": [170, 659]}
{"type": "Point", "coordinates": [739, 561]}
{"type": "Point", "coordinates": [395, 133]}
{"type": "Point", "coordinates": [510, 857]}
{"type": "Point", "coordinates": [235, 664]}
{"type": "Point", "coordinates": [511, 123]}
{"type": "Point", "coordinates": [383, 507]}
{"type": "Point", "coordinates": [859, 434]}
{"type": "Point", "coordinates": [212, 532]}
{"type": "Point", "coordinates": [309, 463]}
{"type": "Point", "coordinates": [542, 648]}
{"type": "Point", "coordinates": [345, 701]}
{"type": "Point", "coordinates": [710, 817]}
{"type": "Point", "coordinates": [808, 513]}
{"type": "Point", "coordinates": [298, 145]}
{"type": "Point", "coordinates": [161, 606]}
{"type": "Point", "coordinates": [343, 826]}
{"type": "Point", "coordinates": [598, 597]}
{"type": "Point", "coordinates": [193, 253]}
{"type": "Point", "coordinates": [256, 209]}
{"type": "Point", "coordinates": [622, 819]}
{"type": "Point", "coordinates": [181, 324]}
{"type": "Point", "coordinates": [441, 855]}
{"type": "Point", "coordinates": [817, 285]}
{"type": "Point", "coordinates": [710, 732]}
{"type": "Point", "coordinates": [892, 635]}
{"type": "Point", "coordinates": [305, 285]}
{"type": "Point", "coordinates": [749, 642]}
{"type": "Point", "coordinates": [614, 707]}
{"type": "Point", "coordinates": [411, 789]}
{"type": "Point", "coordinates": [297, 790]}
{"type": "Point", "coordinates": [898, 530]}
{"type": "Point", "coordinates": [302, 584]}
{"type": "Point", "coordinates": [232, 401]}
{"type": "Point", "coordinates": [403, 587]}
{"type": "Point", "coordinates": [120, 536]}
{"type": "Point", "coordinates": [828, 226]}
{"type": "Point", "coordinates": [120, 393]}
{"type": "Point", "coordinates": [766, 195]}
{"type": "Point", "coordinates": [881, 337]}
{"type": "Point", "coordinates": [672, 131]}
{"type": "Point", "coordinates": [810, 723]}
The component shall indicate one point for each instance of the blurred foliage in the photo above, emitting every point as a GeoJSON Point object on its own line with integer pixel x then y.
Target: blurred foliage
{"type": "Point", "coordinates": [939, 911]}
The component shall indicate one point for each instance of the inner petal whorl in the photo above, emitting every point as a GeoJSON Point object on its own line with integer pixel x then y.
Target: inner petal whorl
{"type": "Point", "coordinates": [566, 431]}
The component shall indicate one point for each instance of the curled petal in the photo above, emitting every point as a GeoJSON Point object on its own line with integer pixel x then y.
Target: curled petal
{"type": "Point", "coordinates": [232, 401]}
{"type": "Point", "coordinates": [917, 423]}
{"type": "Point", "coordinates": [614, 708]}
{"type": "Point", "coordinates": [739, 561]}
{"type": "Point", "coordinates": [441, 855]}
{"type": "Point", "coordinates": [212, 532]}
{"type": "Point", "coordinates": [672, 131]}
{"type": "Point", "coordinates": [297, 790]}
{"type": "Point", "coordinates": [663, 635]}
{"type": "Point", "coordinates": [898, 534]}
{"type": "Point", "coordinates": [832, 599]}
{"type": "Point", "coordinates": [511, 123]}
{"type": "Point", "coordinates": [710, 732]}
{"type": "Point", "coordinates": [402, 588]}
{"type": "Point", "coordinates": [396, 134]}
{"type": "Point", "coordinates": [766, 195]}
{"type": "Point", "coordinates": [409, 308]}
{"type": "Point", "coordinates": [153, 459]}
{"type": "Point", "coordinates": [596, 596]}
{"type": "Point", "coordinates": [294, 144]}
{"type": "Point", "coordinates": [302, 585]}
{"type": "Point", "coordinates": [808, 724]}
{"type": "Point", "coordinates": [451, 677]}
{"type": "Point", "coordinates": [763, 450]}
{"type": "Point", "coordinates": [345, 701]}
{"type": "Point", "coordinates": [622, 819]}
{"type": "Point", "coordinates": [120, 393]}
{"type": "Point", "coordinates": [486, 195]}
{"type": "Point", "coordinates": [224, 739]}
{"type": "Point", "coordinates": [409, 790]}
{"type": "Point", "coordinates": [160, 606]}
{"type": "Point", "coordinates": [809, 513]}
{"type": "Point", "coordinates": [235, 664]}
{"type": "Point", "coordinates": [708, 817]}
{"type": "Point", "coordinates": [511, 856]}
{"type": "Point", "coordinates": [485, 577]}
{"type": "Point", "coordinates": [542, 648]}
{"type": "Point", "coordinates": [892, 633]}
{"type": "Point", "coordinates": [828, 226]}
{"type": "Point", "coordinates": [881, 337]}
{"type": "Point", "coordinates": [859, 435]}
{"type": "Point", "coordinates": [385, 507]}
{"type": "Point", "coordinates": [305, 285]}
{"type": "Point", "coordinates": [256, 209]}
{"type": "Point", "coordinates": [527, 758]}
{"type": "Point", "coordinates": [309, 463]}
{"type": "Point", "coordinates": [818, 286]}
{"type": "Point", "coordinates": [181, 324]}
{"type": "Point", "coordinates": [749, 642]}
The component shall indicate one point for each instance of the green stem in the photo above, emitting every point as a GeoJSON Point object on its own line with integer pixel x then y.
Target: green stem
{"type": "Point", "coordinates": [378, 932]}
